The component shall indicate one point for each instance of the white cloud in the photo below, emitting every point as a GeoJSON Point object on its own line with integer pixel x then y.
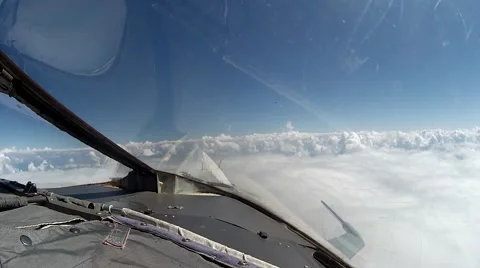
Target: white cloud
{"type": "Point", "coordinates": [41, 167]}
{"type": "Point", "coordinates": [414, 196]}
{"type": "Point", "coordinates": [148, 152]}
{"type": "Point", "coordinates": [315, 144]}
{"type": "Point", "coordinates": [59, 178]}
{"type": "Point", "coordinates": [95, 158]}
{"type": "Point", "coordinates": [6, 166]}
{"type": "Point", "coordinates": [289, 126]}
{"type": "Point", "coordinates": [413, 209]}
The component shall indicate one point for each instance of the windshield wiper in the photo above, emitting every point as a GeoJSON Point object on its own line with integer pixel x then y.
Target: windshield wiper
{"type": "Point", "coordinates": [349, 243]}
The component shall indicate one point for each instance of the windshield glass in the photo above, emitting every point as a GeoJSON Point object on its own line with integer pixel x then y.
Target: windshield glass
{"type": "Point", "coordinates": [369, 106]}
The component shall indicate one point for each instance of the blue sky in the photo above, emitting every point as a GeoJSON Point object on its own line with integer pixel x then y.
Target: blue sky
{"type": "Point", "coordinates": [205, 68]}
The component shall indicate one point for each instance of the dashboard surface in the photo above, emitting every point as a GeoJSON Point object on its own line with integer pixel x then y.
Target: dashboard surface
{"type": "Point", "coordinates": [220, 218]}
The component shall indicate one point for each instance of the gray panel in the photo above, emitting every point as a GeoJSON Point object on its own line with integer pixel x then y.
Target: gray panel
{"type": "Point", "coordinates": [219, 218]}
{"type": "Point", "coordinates": [89, 192]}
{"type": "Point", "coordinates": [278, 252]}
{"type": "Point", "coordinates": [32, 215]}
{"type": "Point", "coordinates": [60, 247]}
{"type": "Point", "coordinates": [219, 207]}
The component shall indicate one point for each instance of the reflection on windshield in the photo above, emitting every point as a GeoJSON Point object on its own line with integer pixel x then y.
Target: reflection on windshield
{"type": "Point", "coordinates": [368, 105]}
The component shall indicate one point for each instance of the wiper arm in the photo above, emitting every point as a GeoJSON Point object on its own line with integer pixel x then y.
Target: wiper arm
{"type": "Point", "coordinates": [349, 243]}
{"type": "Point", "coordinates": [28, 194]}
{"type": "Point", "coordinates": [28, 190]}
{"type": "Point", "coordinates": [345, 225]}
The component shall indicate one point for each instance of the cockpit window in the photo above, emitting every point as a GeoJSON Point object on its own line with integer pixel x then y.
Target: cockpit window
{"type": "Point", "coordinates": [369, 106]}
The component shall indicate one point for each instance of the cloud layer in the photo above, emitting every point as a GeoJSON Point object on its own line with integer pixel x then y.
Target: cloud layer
{"type": "Point", "coordinates": [414, 196]}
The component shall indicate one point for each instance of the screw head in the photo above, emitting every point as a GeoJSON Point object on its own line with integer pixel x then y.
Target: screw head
{"type": "Point", "coordinates": [26, 241]}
